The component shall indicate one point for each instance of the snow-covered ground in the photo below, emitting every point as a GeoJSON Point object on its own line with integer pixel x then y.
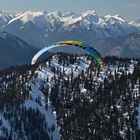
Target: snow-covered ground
{"type": "Point", "coordinates": [139, 115]}
{"type": "Point", "coordinates": [43, 73]}
{"type": "Point", "coordinates": [5, 124]}
{"type": "Point", "coordinates": [44, 78]}
{"type": "Point", "coordinates": [36, 94]}
{"type": "Point", "coordinates": [111, 69]}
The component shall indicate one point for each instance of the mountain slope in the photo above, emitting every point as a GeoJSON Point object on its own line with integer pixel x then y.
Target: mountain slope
{"type": "Point", "coordinates": [22, 116]}
{"type": "Point", "coordinates": [41, 28]}
{"type": "Point", "coordinates": [127, 46]}
{"type": "Point", "coordinates": [14, 51]}
{"type": "Point", "coordinates": [68, 97]}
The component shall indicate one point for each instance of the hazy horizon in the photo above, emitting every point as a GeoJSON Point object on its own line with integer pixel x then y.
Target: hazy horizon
{"type": "Point", "coordinates": [128, 9]}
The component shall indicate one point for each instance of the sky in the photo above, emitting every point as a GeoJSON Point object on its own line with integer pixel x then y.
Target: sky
{"type": "Point", "coordinates": [129, 9]}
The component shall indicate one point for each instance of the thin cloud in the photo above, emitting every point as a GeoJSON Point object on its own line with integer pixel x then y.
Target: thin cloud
{"type": "Point", "coordinates": [133, 5]}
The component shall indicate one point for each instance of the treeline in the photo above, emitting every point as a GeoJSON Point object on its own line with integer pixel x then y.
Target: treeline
{"type": "Point", "coordinates": [104, 111]}
{"type": "Point", "coordinates": [20, 122]}
{"type": "Point", "coordinates": [86, 109]}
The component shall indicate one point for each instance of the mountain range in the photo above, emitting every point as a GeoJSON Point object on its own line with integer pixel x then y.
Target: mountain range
{"type": "Point", "coordinates": [110, 35]}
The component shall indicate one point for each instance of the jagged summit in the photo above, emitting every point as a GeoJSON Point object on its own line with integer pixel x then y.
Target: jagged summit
{"type": "Point", "coordinates": [68, 19]}
{"type": "Point", "coordinates": [89, 12]}
{"type": "Point", "coordinates": [116, 17]}
{"type": "Point", "coordinates": [20, 17]}
{"type": "Point", "coordinates": [56, 14]}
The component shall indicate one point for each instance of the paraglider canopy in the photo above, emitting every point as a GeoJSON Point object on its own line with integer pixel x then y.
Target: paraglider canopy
{"type": "Point", "coordinates": [70, 46]}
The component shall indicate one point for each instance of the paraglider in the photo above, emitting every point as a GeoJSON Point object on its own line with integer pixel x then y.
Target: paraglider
{"type": "Point", "coordinates": [68, 45]}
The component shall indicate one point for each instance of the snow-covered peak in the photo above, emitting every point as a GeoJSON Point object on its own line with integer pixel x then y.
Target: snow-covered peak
{"type": "Point", "coordinates": [31, 16]}
{"type": "Point", "coordinates": [84, 19]}
{"type": "Point", "coordinates": [89, 21]}
{"type": "Point", "coordinates": [19, 17]}
{"type": "Point", "coordinates": [70, 14]}
{"type": "Point", "coordinates": [38, 18]}
{"type": "Point", "coordinates": [114, 18]}
{"type": "Point", "coordinates": [89, 13]}
{"type": "Point", "coordinates": [55, 14]}
{"type": "Point", "coordinates": [118, 17]}
{"type": "Point", "coordinates": [91, 17]}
